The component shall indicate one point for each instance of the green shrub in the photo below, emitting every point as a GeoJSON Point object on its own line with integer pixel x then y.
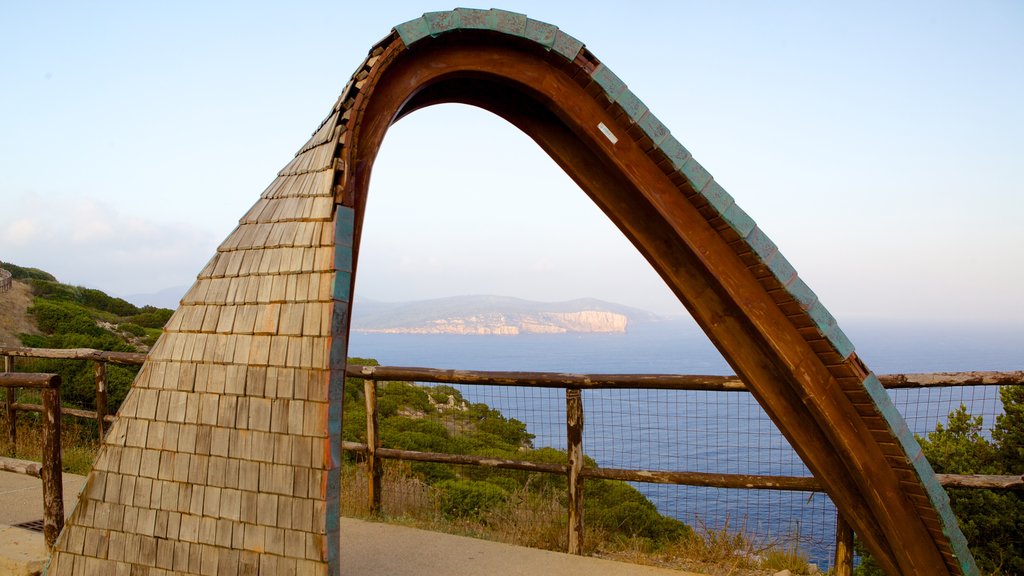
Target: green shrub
{"type": "Point", "coordinates": [151, 317]}
{"type": "Point", "coordinates": [619, 508]}
{"type": "Point", "coordinates": [22, 273]}
{"type": "Point", "coordinates": [469, 498]}
{"type": "Point", "coordinates": [133, 329]}
{"type": "Point", "coordinates": [991, 520]}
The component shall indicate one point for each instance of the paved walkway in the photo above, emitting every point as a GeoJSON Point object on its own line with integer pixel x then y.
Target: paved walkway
{"type": "Point", "coordinates": [369, 548]}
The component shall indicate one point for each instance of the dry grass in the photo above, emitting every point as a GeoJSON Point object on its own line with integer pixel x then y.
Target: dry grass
{"type": "Point", "coordinates": [539, 521]}
{"type": "Point", "coordinates": [79, 442]}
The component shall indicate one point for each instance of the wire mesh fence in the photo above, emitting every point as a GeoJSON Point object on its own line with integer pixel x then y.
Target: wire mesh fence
{"type": "Point", "coordinates": [723, 432]}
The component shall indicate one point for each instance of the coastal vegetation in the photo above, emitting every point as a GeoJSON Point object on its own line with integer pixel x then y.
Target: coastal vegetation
{"type": "Point", "coordinates": [76, 317]}
{"type": "Point", "coordinates": [527, 508]}
{"type": "Point", "coordinates": [991, 520]}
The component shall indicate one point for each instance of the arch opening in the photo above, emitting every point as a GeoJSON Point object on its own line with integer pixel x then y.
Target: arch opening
{"type": "Point", "coordinates": [263, 333]}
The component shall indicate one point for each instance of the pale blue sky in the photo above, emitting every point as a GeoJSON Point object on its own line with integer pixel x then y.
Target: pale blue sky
{"type": "Point", "coordinates": [879, 144]}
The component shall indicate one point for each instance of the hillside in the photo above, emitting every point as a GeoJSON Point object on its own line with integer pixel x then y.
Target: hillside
{"type": "Point", "coordinates": [41, 312]}
{"type": "Point", "coordinates": [494, 315]}
{"type": "Point", "coordinates": [14, 316]}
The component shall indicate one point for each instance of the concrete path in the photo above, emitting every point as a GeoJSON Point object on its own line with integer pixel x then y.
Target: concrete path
{"type": "Point", "coordinates": [368, 548]}
{"type": "Point", "coordinates": [375, 549]}
{"type": "Point", "coordinates": [23, 552]}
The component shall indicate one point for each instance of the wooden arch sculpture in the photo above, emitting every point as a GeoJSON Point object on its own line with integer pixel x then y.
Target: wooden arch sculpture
{"type": "Point", "coordinates": [224, 456]}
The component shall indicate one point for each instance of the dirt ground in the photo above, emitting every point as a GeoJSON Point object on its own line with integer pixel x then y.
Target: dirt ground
{"type": "Point", "coordinates": [14, 319]}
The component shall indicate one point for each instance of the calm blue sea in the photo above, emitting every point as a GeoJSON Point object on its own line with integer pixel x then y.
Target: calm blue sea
{"type": "Point", "coordinates": [701, 431]}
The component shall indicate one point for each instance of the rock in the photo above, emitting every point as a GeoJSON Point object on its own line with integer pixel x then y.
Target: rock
{"type": "Point", "coordinates": [783, 573]}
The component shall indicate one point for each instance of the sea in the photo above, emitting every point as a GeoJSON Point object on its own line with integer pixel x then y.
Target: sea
{"type": "Point", "coordinates": [718, 432]}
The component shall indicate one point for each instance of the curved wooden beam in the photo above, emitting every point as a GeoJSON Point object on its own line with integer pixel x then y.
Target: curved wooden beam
{"type": "Point", "coordinates": [748, 299]}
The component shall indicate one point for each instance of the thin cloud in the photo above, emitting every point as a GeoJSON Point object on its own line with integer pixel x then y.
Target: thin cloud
{"type": "Point", "coordinates": [87, 242]}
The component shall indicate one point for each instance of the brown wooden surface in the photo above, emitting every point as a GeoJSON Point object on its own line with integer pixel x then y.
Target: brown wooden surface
{"type": "Point", "coordinates": [53, 482]}
{"type": "Point", "coordinates": [21, 466]}
{"type": "Point", "coordinates": [28, 380]}
{"type": "Point", "coordinates": [574, 437]}
{"type": "Point", "coordinates": [75, 354]}
{"type": "Point", "coordinates": [652, 381]}
{"type": "Point", "coordinates": [10, 396]}
{"type": "Point", "coordinates": [548, 379]}
{"type": "Point", "coordinates": [472, 460]}
{"type": "Point", "coordinates": [87, 414]}
{"type": "Point", "coordinates": [988, 481]}
{"type": "Point", "coordinates": [375, 471]}
{"type": "Point", "coordinates": [741, 481]}
{"type": "Point", "coordinates": [101, 398]}
{"type": "Point", "coordinates": [843, 565]}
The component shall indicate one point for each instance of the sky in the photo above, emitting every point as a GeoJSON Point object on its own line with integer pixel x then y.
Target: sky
{"type": "Point", "coordinates": [879, 144]}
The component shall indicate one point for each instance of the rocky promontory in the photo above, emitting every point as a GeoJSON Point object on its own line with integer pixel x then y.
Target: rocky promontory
{"type": "Point", "coordinates": [493, 315]}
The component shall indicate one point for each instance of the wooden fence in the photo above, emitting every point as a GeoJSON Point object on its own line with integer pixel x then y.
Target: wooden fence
{"type": "Point", "coordinates": [576, 472]}
{"type": "Point", "coordinates": [5, 280]}
{"type": "Point", "coordinates": [50, 471]}
{"type": "Point", "coordinates": [573, 469]}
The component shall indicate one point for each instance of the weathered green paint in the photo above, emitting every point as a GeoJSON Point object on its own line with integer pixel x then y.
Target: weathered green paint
{"type": "Point", "coordinates": [719, 199]}
{"type": "Point", "coordinates": [653, 128]}
{"type": "Point", "coordinates": [696, 175]}
{"type": "Point", "coordinates": [511, 23]}
{"type": "Point", "coordinates": [567, 46]}
{"type": "Point", "coordinates": [474, 19]}
{"type": "Point", "coordinates": [440, 22]}
{"type": "Point", "coordinates": [412, 31]}
{"type": "Point", "coordinates": [737, 219]}
{"type": "Point", "coordinates": [632, 105]}
{"type": "Point", "coordinates": [676, 153]}
{"type": "Point", "coordinates": [611, 84]}
{"type": "Point", "coordinates": [541, 32]}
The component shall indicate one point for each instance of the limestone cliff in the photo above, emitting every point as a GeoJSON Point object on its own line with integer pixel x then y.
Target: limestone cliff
{"type": "Point", "coordinates": [492, 315]}
{"type": "Point", "coordinates": [585, 321]}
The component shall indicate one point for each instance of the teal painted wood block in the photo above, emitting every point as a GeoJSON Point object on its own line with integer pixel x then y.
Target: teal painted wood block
{"type": "Point", "coordinates": [738, 220]}
{"type": "Point", "coordinates": [717, 197]}
{"type": "Point", "coordinates": [837, 338]}
{"type": "Point", "coordinates": [632, 105]}
{"type": "Point", "coordinates": [567, 46]}
{"type": "Point", "coordinates": [607, 80]}
{"type": "Point", "coordinates": [782, 269]}
{"type": "Point", "coordinates": [413, 31]}
{"type": "Point", "coordinates": [474, 19]}
{"type": "Point", "coordinates": [441, 22]}
{"type": "Point", "coordinates": [344, 226]}
{"type": "Point", "coordinates": [677, 154]}
{"type": "Point", "coordinates": [541, 32]}
{"type": "Point", "coordinates": [339, 342]}
{"type": "Point", "coordinates": [802, 293]}
{"type": "Point", "coordinates": [821, 317]}
{"type": "Point", "coordinates": [343, 258]}
{"type": "Point", "coordinates": [339, 328]}
{"type": "Point", "coordinates": [761, 244]}
{"type": "Point", "coordinates": [696, 175]}
{"type": "Point", "coordinates": [512, 23]}
{"type": "Point", "coordinates": [343, 286]}
{"type": "Point", "coordinates": [654, 128]}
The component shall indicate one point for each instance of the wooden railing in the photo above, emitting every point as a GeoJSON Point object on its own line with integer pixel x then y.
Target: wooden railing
{"type": "Point", "coordinates": [573, 469]}
{"type": "Point", "coordinates": [576, 472]}
{"type": "Point", "coordinates": [50, 471]}
{"type": "Point", "coordinates": [99, 357]}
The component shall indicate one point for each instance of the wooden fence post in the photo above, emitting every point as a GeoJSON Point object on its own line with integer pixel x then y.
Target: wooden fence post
{"type": "Point", "coordinates": [844, 547]}
{"type": "Point", "coordinates": [53, 483]}
{"type": "Point", "coordinates": [12, 415]}
{"type": "Point", "coordinates": [574, 433]}
{"type": "Point", "coordinates": [374, 468]}
{"type": "Point", "coordinates": [101, 398]}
